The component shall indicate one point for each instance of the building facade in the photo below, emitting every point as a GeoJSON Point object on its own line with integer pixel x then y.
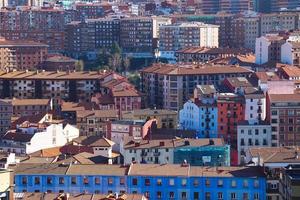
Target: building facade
{"type": "Point", "coordinates": [178, 36]}
{"type": "Point", "coordinates": [155, 181]}
{"type": "Point", "coordinates": [6, 112]}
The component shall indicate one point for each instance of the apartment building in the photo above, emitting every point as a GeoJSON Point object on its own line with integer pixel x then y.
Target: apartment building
{"type": "Point", "coordinates": [279, 5]}
{"type": "Point", "coordinates": [251, 31]}
{"type": "Point", "coordinates": [21, 54]}
{"type": "Point", "coordinates": [178, 36]}
{"type": "Point", "coordinates": [87, 37]}
{"type": "Point", "coordinates": [89, 10]}
{"type": "Point", "coordinates": [202, 54]}
{"type": "Point", "coordinates": [268, 48]}
{"type": "Point", "coordinates": [210, 152]}
{"type": "Point", "coordinates": [73, 86]}
{"type": "Point", "coordinates": [136, 36]}
{"type": "Point", "coordinates": [227, 6]}
{"type": "Point", "coordinates": [30, 107]}
{"type": "Point", "coordinates": [6, 112]}
{"type": "Point", "coordinates": [119, 130]}
{"type": "Point", "coordinates": [45, 25]}
{"type": "Point", "coordinates": [278, 22]}
{"type": "Point", "coordinates": [290, 53]}
{"type": "Point", "coordinates": [94, 122]}
{"type": "Point", "coordinates": [156, 181]}
{"type": "Point", "coordinates": [169, 86]}
{"type": "Point", "coordinates": [283, 114]}
{"type": "Point", "coordinates": [59, 62]}
{"type": "Point", "coordinates": [274, 160]}
{"type": "Point", "coordinates": [289, 182]}
{"type": "Point", "coordinates": [164, 118]}
{"type": "Point", "coordinates": [252, 134]}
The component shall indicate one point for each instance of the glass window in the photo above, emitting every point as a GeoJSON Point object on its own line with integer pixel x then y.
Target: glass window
{"type": "Point", "coordinates": [245, 183]}
{"type": "Point", "coordinates": [97, 181]}
{"type": "Point", "coordinates": [183, 182]}
{"type": "Point", "coordinates": [207, 195]}
{"type": "Point", "coordinates": [183, 195]}
{"type": "Point", "coordinates": [147, 182]}
{"type": "Point", "coordinates": [122, 181]}
{"type": "Point", "coordinates": [220, 196]}
{"type": "Point", "coordinates": [196, 182]}
{"type": "Point", "coordinates": [24, 180]}
{"type": "Point", "coordinates": [37, 180]}
{"type": "Point", "coordinates": [171, 182]}
{"type": "Point", "coordinates": [196, 195]}
{"type": "Point", "coordinates": [49, 180]}
{"type": "Point", "coordinates": [158, 195]}
{"type": "Point", "coordinates": [85, 180]}
{"type": "Point", "coordinates": [61, 180]}
{"type": "Point", "coordinates": [207, 183]}
{"type": "Point", "coordinates": [233, 183]}
{"type": "Point", "coordinates": [171, 195]}
{"type": "Point", "coordinates": [245, 196]}
{"type": "Point", "coordinates": [256, 183]}
{"type": "Point", "coordinates": [134, 181]}
{"type": "Point", "coordinates": [73, 180]}
{"type": "Point", "coordinates": [220, 183]}
{"type": "Point", "coordinates": [233, 196]}
{"type": "Point", "coordinates": [256, 196]}
{"type": "Point", "coordinates": [159, 181]}
{"type": "Point", "coordinates": [110, 181]}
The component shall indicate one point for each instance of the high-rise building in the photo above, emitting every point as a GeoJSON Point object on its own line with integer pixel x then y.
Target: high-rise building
{"type": "Point", "coordinates": [178, 36]}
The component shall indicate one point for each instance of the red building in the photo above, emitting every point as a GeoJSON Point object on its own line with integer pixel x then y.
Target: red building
{"type": "Point", "coordinates": [231, 109]}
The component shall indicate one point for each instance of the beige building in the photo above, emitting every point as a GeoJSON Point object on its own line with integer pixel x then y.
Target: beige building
{"type": "Point", "coordinates": [94, 122]}
{"type": "Point", "coordinates": [164, 118]}
{"type": "Point", "coordinates": [6, 191]}
{"type": "Point", "coordinates": [177, 36]}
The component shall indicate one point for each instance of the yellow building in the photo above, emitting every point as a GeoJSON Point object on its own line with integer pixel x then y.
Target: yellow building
{"type": "Point", "coordinates": [165, 118]}
{"type": "Point", "coordinates": [5, 184]}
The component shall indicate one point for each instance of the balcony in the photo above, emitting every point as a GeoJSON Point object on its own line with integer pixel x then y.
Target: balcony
{"type": "Point", "coordinates": [259, 102]}
{"type": "Point", "coordinates": [259, 110]}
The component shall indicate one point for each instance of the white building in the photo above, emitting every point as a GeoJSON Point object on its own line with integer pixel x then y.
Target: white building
{"type": "Point", "coordinates": [252, 135]}
{"type": "Point", "coordinates": [7, 159]}
{"type": "Point", "coordinates": [189, 116]}
{"type": "Point", "coordinates": [290, 53]}
{"type": "Point", "coordinates": [255, 107]}
{"type": "Point", "coordinates": [178, 36]}
{"type": "Point", "coordinates": [55, 135]}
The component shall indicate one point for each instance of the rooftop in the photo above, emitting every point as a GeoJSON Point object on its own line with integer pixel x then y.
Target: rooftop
{"type": "Point", "coordinates": [205, 50]}
{"type": "Point", "coordinates": [20, 43]}
{"type": "Point", "coordinates": [50, 75]}
{"type": "Point", "coordinates": [288, 98]}
{"type": "Point", "coordinates": [139, 170]}
{"type": "Point", "coordinates": [276, 154]}
{"type": "Point", "coordinates": [94, 141]}
{"type": "Point", "coordinates": [28, 102]}
{"type": "Point", "coordinates": [192, 69]}
{"type": "Point", "coordinates": [97, 113]}
{"type": "Point", "coordinates": [171, 143]}
{"type": "Point", "coordinates": [148, 112]}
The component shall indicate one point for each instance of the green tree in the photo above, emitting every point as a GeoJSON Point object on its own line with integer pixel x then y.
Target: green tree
{"type": "Point", "coordinates": [115, 62]}
{"type": "Point", "coordinates": [126, 64]}
{"type": "Point", "coordinates": [115, 49]}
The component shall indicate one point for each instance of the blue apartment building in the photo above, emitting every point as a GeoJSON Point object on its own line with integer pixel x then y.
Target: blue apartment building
{"type": "Point", "coordinates": [155, 181]}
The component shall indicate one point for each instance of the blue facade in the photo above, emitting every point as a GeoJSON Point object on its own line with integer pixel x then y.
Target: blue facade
{"type": "Point", "coordinates": [203, 156]}
{"type": "Point", "coordinates": [202, 118]}
{"type": "Point", "coordinates": [155, 187]}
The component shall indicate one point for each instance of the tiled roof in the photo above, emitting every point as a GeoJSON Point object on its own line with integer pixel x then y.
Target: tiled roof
{"type": "Point", "coordinates": [171, 143]}
{"type": "Point", "coordinates": [148, 112]}
{"type": "Point", "coordinates": [94, 141]}
{"type": "Point", "coordinates": [20, 43]}
{"type": "Point", "coordinates": [50, 75]}
{"type": "Point", "coordinates": [113, 170]}
{"type": "Point", "coordinates": [190, 69]}
{"type": "Point", "coordinates": [204, 50]}
{"type": "Point", "coordinates": [28, 102]}
{"type": "Point", "coordinates": [97, 113]}
{"type": "Point", "coordinates": [276, 154]}
{"type": "Point", "coordinates": [291, 71]}
{"type": "Point", "coordinates": [17, 137]}
{"type": "Point", "coordinates": [295, 98]}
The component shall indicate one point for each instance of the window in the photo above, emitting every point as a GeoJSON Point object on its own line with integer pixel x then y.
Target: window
{"type": "Point", "coordinates": [147, 194]}
{"type": "Point", "coordinates": [207, 195]}
{"type": "Point", "coordinates": [61, 180]}
{"type": "Point", "coordinates": [37, 180]}
{"type": "Point", "coordinates": [183, 195]}
{"type": "Point", "coordinates": [147, 182]}
{"type": "Point", "coordinates": [85, 180]}
{"type": "Point", "coordinates": [196, 195]}
{"type": "Point", "coordinates": [122, 181]}
{"type": "Point", "coordinates": [110, 181]}
{"type": "Point", "coordinates": [183, 182]}
{"type": "Point", "coordinates": [49, 180]}
{"type": "Point", "coordinates": [196, 182]}
{"type": "Point", "coordinates": [207, 183]}
{"type": "Point", "coordinates": [73, 180]}
{"type": "Point", "coordinates": [245, 183]}
{"type": "Point", "coordinates": [256, 184]}
{"type": "Point", "coordinates": [220, 196]}
{"type": "Point", "coordinates": [233, 196]}
{"type": "Point", "coordinates": [171, 182]}
{"type": "Point", "coordinates": [220, 183]}
{"type": "Point", "coordinates": [159, 182]}
{"type": "Point", "coordinates": [233, 183]}
{"type": "Point", "coordinates": [256, 196]}
{"type": "Point", "coordinates": [24, 180]}
{"type": "Point", "coordinates": [245, 196]}
{"type": "Point", "coordinates": [158, 195]}
{"type": "Point", "coordinates": [171, 195]}
{"type": "Point", "coordinates": [97, 181]}
{"type": "Point", "coordinates": [134, 181]}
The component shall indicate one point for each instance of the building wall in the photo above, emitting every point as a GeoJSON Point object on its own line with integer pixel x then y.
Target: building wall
{"type": "Point", "coordinates": [252, 135]}
{"type": "Point", "coordinates": [6, 112]}
{"type": "Point", "coordinates": [54, 136]}
{"type": "Point", "coordinates": [189, 117]}
{"type": "Point", "coordinates": [255, 108]}
{"type": "Point", "coordinates": [286, 54]}
{"type": "Point", "coordinates": [261, 50]}
{"type": "Point", "coordinates": [183, 187]}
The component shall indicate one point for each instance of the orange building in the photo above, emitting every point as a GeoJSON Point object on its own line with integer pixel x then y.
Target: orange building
{"type": "Point", "coordinates": [231, 110]}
